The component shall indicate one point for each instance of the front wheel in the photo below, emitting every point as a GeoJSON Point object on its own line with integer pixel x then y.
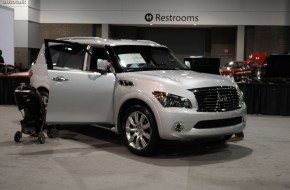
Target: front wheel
{"type": "Point", "coordinates": [52, 133]}
{"type": "Point", "coordinates": [140, 131]}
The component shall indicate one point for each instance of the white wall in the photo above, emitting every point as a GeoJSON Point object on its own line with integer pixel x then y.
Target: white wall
{"type": "Point", "coordinates": [26, 22]}
{"type": "Point", "coordinates": [209, 12]}
{"type": "Point", "coordinates": [7, 34]}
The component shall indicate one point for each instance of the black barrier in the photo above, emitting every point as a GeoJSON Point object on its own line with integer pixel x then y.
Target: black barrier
{"type": "Point", "coordinates": [267, 99]}
{"type": "Point", "coordinates": [7, 86]}
{"type": "Point", "coordinates": [204, 64]}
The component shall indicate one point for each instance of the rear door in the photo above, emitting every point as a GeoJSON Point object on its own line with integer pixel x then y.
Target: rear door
{"type": "Point", "coordinates": [77, 95]}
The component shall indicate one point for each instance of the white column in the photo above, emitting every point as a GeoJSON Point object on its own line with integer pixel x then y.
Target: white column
{"type": "Point", "coordinates": [6, 34]}
{"type": "Point", "coordinates": [240, 48]}
{"type": "Point", "coordinates": [105, 31]}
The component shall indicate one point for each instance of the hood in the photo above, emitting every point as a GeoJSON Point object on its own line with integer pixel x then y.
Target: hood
{"type": "Point", "coordinates": [187, 79]}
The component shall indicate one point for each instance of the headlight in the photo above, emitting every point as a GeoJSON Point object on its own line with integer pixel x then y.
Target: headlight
{"type": "Point", "coordinates": [171, 100]}
{"type": "Point", "coordinates": [241, 96]}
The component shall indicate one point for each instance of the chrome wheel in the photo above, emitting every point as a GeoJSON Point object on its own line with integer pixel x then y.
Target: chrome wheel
{"type": "Point", "coordinates": [138, 130]}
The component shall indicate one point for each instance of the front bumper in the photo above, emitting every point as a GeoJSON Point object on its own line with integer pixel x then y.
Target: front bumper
{"type": "Point", "coordinates": [180, 123]}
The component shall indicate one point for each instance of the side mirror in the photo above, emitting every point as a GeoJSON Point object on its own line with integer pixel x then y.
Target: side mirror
{"type": "Point", "coordinates": [187, 63]}
{"type": "Point", "coordinates": [103, 65]}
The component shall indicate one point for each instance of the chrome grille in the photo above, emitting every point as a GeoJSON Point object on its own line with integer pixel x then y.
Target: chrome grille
{"type": "Point", "coordinates": [216, 99]}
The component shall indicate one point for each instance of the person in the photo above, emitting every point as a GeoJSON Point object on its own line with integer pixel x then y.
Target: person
{"type": "Point", "coordinates": [1, 58]}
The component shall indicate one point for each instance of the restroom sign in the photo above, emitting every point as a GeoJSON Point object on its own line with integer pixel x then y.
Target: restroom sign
{"type": "Point", "coordinates": [149, 17]}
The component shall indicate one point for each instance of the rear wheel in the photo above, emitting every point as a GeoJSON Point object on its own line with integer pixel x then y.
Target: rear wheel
{"type": "Point", "coordinates": [52, 133]}
{"type": "Point", "coordinates": [140, 131]}
{"type": "Point", "coordinates": [17, 136]}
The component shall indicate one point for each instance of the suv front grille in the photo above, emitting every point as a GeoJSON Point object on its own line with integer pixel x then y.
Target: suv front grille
{"type": "Point", "coordinates": [216, 99]}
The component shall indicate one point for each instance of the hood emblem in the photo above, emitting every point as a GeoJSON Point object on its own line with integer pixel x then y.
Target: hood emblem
{"type": "Point", "coordinates": [221, 98]}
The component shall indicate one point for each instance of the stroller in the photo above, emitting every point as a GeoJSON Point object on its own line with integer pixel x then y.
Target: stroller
{"type": "Point", "coordinates": [32, 108]}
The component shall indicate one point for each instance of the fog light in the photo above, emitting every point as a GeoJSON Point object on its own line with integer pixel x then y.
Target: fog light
{"type": "Point", "coordinates": [178, 127]}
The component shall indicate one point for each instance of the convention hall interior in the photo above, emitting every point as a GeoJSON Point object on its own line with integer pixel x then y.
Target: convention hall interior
{"type": "Point", "coordinates": [131, 94]}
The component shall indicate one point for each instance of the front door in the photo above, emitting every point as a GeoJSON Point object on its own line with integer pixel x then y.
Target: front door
{"type": "Point", "coordinates": [76, 95]}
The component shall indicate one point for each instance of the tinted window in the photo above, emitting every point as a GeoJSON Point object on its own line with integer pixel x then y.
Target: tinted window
{"type": "Point", "coordinates": [234, 64]}
{"type": "Point", "coordinates": [67, 56]}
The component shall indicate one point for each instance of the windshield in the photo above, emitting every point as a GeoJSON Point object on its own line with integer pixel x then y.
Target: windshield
{"type": "Point", "coordinates": [140, 58]}
{"type": "Point", "coordinates": [234, 64]}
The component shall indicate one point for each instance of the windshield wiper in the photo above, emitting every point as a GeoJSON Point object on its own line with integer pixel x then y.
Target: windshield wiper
{"type": "Point", "coordinates": [141, 69]}
{"type": "Point", "coordinates": [174, 69]}
{"type": "Point", "coordinates": [154, 68]}
{"type": "Point", "coordinates": [186, 69]}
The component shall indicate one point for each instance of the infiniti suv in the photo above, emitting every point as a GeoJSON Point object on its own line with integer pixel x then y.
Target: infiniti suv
{"type": "Point", "coordinates": [138, 89]}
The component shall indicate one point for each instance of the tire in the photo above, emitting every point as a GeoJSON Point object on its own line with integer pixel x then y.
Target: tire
{"type": "Point", "coordinates": [140, 131]}
{"type": "Point", "coordinates": [44, 97]}
{"type": "Point", "coordinates": [52, 133]}
{"type": "Point", "coordinates": [17, 136]}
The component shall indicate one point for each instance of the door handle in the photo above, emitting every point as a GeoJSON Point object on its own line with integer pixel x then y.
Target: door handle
{"type": "Point", "coordinates": [59, 79]}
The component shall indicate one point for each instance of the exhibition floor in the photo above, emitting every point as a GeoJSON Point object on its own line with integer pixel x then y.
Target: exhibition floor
{"type": "Point", "coordinates": [97, 159]}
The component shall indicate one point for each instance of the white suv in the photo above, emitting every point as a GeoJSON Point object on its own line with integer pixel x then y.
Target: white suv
{"type": "Point", "coordinates": [138, 89]}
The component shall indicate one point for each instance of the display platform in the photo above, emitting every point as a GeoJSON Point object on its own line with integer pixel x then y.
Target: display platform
{"type": "Point", "coordinates": [267, 99]}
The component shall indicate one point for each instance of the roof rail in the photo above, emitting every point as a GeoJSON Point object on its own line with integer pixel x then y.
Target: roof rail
{"type": "Point", "coordinates": [80, 38]}
{"type": "Point", "coordinates": [148, 41]}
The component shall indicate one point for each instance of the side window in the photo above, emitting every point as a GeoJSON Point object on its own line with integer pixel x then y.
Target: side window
{"type": "Point", "coordinates": [99, 53]}
{"type": "Point", "coordinates": [55, 51]}
{"type": "Point", "coordinates": [67, 56]}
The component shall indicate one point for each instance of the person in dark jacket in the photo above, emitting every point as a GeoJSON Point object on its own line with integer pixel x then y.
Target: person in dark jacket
{"type": "Point", "coordinates": [1, 58]}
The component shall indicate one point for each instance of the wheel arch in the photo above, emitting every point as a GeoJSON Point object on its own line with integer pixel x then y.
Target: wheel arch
{"type": "Point", "coordinates": [41, 89]}
{"type": "Point", "coordinates": [128, 104]}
